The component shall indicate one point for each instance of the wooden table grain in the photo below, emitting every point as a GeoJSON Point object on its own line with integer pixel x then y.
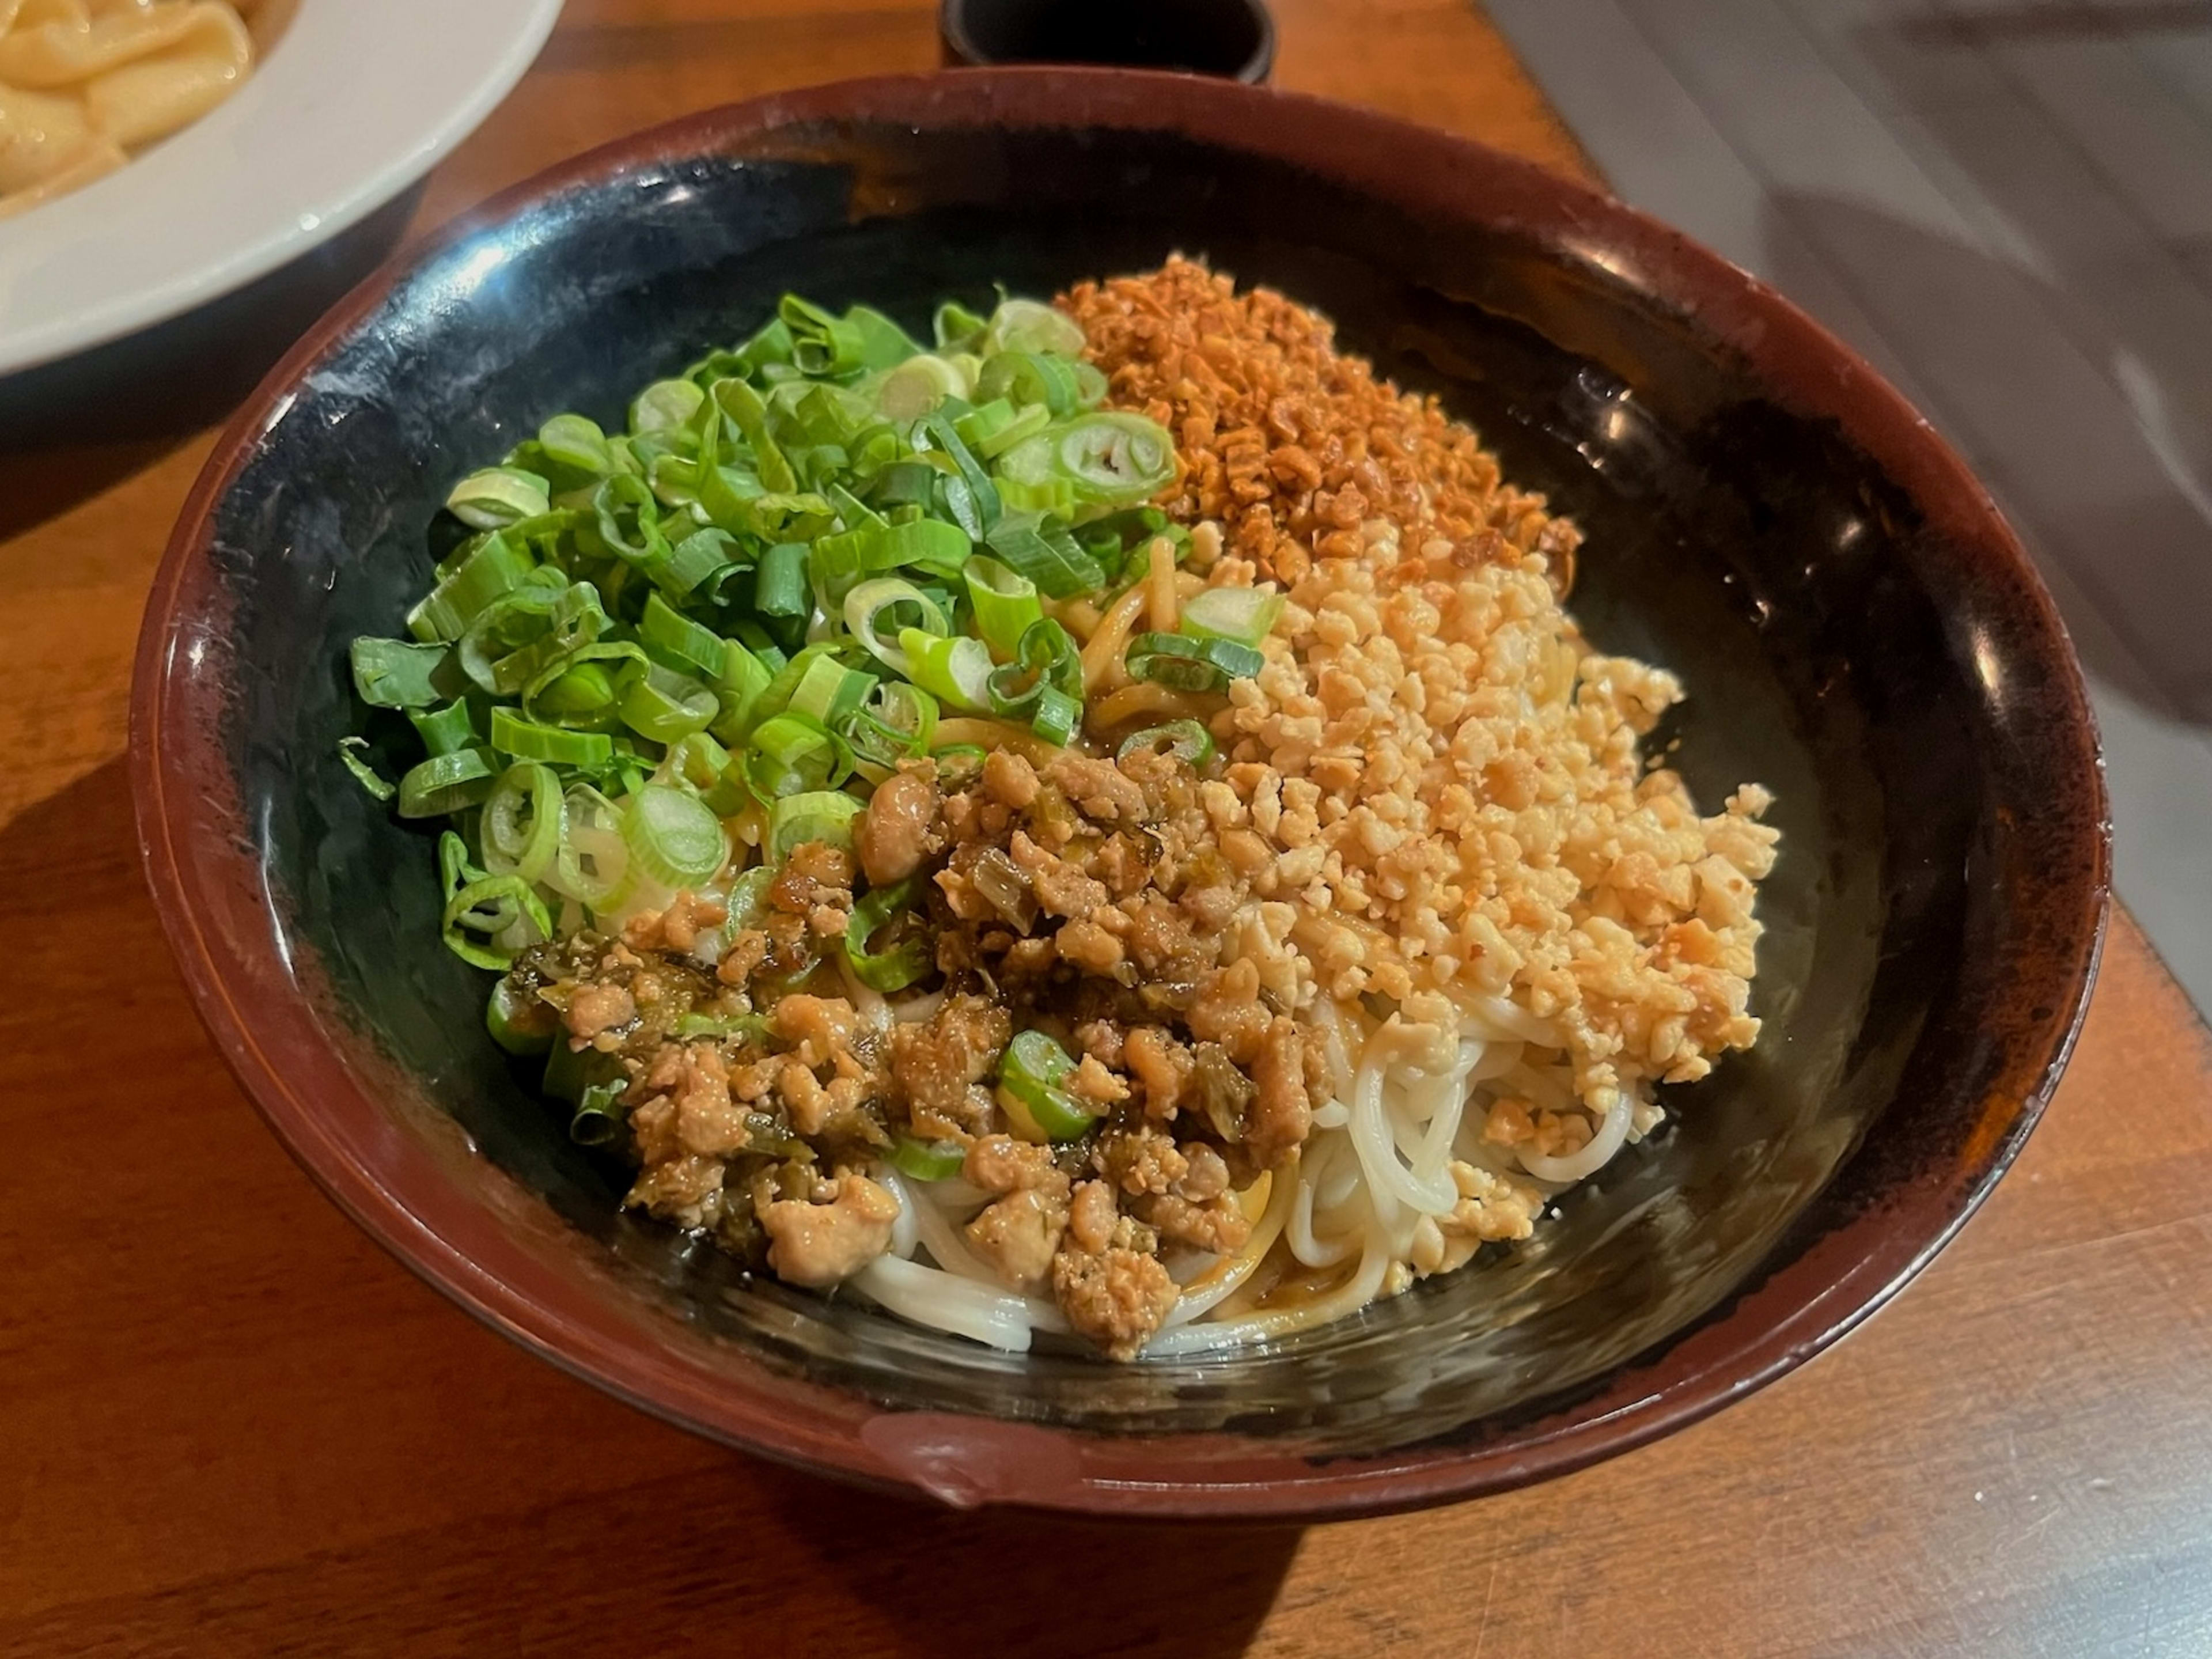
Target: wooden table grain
{"type": "Point", "coordinates": [230, 1426]}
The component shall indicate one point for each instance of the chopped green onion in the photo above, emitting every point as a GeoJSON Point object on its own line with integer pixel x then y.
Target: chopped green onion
{"type": "Point", "coordinates": [1186, 740]}
{"type": "Point", "coordinates": [487, 919]}
{"type": "Point", "coordinates": [981, 494]}
{"type": "Point", "coordinates": [494, 566]}
{"type": "Point", "coordinates": [498, 495]}
{"type": "Point", "coordinates": [1026, 378]}
{"type": "Point", "coordinates": [819, 815]}
{"type": "Point", "coordinates": [1050, 497]}
{"type": "Point", "coordinates": [353, 753]}
{"type": "Point", "coordinates": [956, 328]}
{"type": "Point", "coordinates": [516, 638]}
{"type": "Point", "coordinates": [400, 673]}
{"type": "Point", "coordinates": [666, 406]}
{"type": "Point", "coordinates": [1245, 615]}
{"type": "Point", "coordinates": [982, 421]}
{"type": "Point", "coordinates": [1042, 551]}
{"type": "Point", "coordinates": [959, 757]}
{"type": "Point", "coordinates": [679, 642]}
{"type": "Point", "coordinates": [627, 517]}
{"type": "Point", "coordinates": [575, 441]}
{"type": "Point", "coordinates": [519, 1022]}
{"type": "Point", "coordinates": [900, 963]}
{"type": "Point", "coordinates": [447, 729]}
{"type": "Point", "coordinates": [446, 783]}
{"type": "Point", "coordinates": [1108, 459]}
{"type": "Point", "coordinates": [957, 669]}
{"type": "Point", "coordinates": [528, 740]}
{"type": "Point", "coordinates": [828, 691]}
{"type": "Point", "coordinates": [823, 344]}
{"type": "Point", "coordinates": [522, 824]}
{"type": "Point", "coordinates": [781, 588]}
{"type": "Point", "coordinates": [896, 722]}
{"type": "Point", "coordinates": [927, 1160]}
{"type": "Point", "coordinates": [705, 767]}
{"type": "Point", "coordinates": [594, 861]}
{"type": "Point", "coordinates": [742, 406]}
{"type": "Point", "coordinates": [1057, 718]}
{"type": "Point", "coordinates": [890, 605]}
{"type": "Point", "coordinates": [1187, 665]}
{"type": "Point", "coordinates": [744, 678]}
{"type": "Point", "coordinates": [1028, 325]}
{"type": "Point", "coordinates": [665, 705]}
{"type": "Point", "coordinates": [1046, 659]}
{"type": "Point", "coordinates": [791, 754]}
{"type": "Point", "coordinates": [918, 385]}
{"type": "Point", "coordinates": [906, 484]}
{"type": "Point", "coordinates": [740, 1027]}
{"type": "Point", "coordinates": [673, 838]}
{"type": "Point", "coordinates": [928, 545]}
{"type": "Point", "coordinates": [1004, 603]}
{"type": "Point", "coordinates": [1024, 426]}
{"type": "Point", "coordinates": [695, 560]}
{"type": "Point", "coordinates": [1032, 1070]}
{"type": "Point", "coordinates": [581, 690]}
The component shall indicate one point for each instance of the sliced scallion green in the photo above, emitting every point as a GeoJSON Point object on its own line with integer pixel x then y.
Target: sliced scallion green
{"type": "Point", "coordinates": [401, 673]}
{"type": "Point", "coordinates": [523, 818]}
{"type": "Point", "coordinates": [446, 783]}
{"type": "Point", "coordinates": [904, 958]}
{"type": "Point", "coordinates": [818, 815]}
{"type": "Point", "coordinates": [498, 495]}
{"type": "Point", "coordinates": [1245, 615]}
{"type": "Point", "coordinates": [524, 739]}
{"type": "Point", "coordinates": [353, 754]}
{"type": "Point", "coordinates": [927, 1160]}
{"type": "Point", "coordinates": [664, 704]}
{"type": "Point", "coordinates": [1186, 740]}
{"type": "Point", "coordinates": [1003, 601]}
{"type": "Point", "coordinates": [956, 670]}
{"type": "Point", "coordinates": [790, 755]}
{"type": "Point", "coordinates": [673, 838]}
{"type": "Point", "coordinates": [1184, 664]}
{"type": "Point", "coordinates": [1032, 1070]}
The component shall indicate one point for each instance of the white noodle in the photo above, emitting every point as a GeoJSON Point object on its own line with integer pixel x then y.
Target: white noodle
{"type": "Point", "coordinates": [930, 1297]}
{"type": "Point", "coordinates": [1378, 1154]}
{"type": "Point", "coordinates": [1588, 1159]}
{"type": "Point", "coordinates": [1508, 1020]}
{"type": "Point", "coordinates": [1233, 1271]}
{"type": "Point", "coordinates": [911, 1011]}
{"type": "Point", "coordinates": [940, 1236]}
{"type": "Point", "coordinates": [906, 1230]}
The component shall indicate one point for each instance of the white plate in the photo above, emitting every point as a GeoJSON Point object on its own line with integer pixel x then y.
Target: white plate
{"type": "Point", "coordinates": [357, 100]}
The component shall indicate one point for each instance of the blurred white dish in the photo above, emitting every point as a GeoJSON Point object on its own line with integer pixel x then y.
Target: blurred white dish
{"type": "Point", "coordinates": [356, 100]}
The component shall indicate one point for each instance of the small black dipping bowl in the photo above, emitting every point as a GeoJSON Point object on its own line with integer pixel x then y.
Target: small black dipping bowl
{"type": "Point", "coordinates": [1233, 39]}
{"type": "Point", "coordinates": [1855, 625]}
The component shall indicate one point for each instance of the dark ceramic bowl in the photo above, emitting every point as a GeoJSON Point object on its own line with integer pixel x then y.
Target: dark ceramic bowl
{"type": "Point", "coordinates": [1856, 627]}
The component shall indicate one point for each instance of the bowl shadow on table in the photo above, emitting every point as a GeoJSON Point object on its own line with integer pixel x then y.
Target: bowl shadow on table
{"type": "Point", "coordinates": [909, 1578]}
{"type": "Point", "coordinates": [1012, 1581]}
{"type": "Point", "coordinates": [70, 429]}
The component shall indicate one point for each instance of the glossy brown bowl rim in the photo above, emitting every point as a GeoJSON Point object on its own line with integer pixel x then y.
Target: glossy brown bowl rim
{"type": "Point", "coordinates": [210, 903]}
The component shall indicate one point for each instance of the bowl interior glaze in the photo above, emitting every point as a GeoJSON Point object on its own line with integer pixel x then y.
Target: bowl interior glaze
{"type": "Point", "coordinates": [1854, 626]}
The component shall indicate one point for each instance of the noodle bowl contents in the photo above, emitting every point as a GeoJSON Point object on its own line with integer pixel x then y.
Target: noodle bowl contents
{"type": "Point", "coordinates": [1098, 828]}
{"type": "Point", "coordinates": [86, 84]}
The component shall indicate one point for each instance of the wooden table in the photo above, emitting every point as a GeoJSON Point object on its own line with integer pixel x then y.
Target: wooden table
{"type": "Point", "coordinates": [230, 1426]}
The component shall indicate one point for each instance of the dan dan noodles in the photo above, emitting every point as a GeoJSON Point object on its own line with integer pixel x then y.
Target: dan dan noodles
{"type": "Point", "coordinates": [86, 84]}
{"type": "Point", "coordinates": [1091, 824]}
